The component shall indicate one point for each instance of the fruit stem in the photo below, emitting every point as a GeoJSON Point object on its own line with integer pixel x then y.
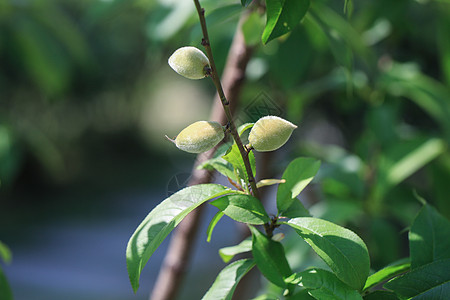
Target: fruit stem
{"type": "Point", "coordinates": [225, 103]}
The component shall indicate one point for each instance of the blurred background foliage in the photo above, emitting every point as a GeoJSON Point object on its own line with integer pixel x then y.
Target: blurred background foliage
{"type": "Point", "coordinates": [86, 97]}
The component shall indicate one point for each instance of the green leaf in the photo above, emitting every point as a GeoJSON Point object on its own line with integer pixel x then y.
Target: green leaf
{"type": "Point", "coordinates": [5, 253]}
{"type": "Point", "coordinates": [386, 273]}
{"type": "Point", "coordinates": [340, 248]}
{"type": "Point", "coordinates": [5, 290]}
{"type": "Point", "coordinates": [234, 157]}
{"type": "Point", "coordinates": [219, 164]}
{"type": "Point", "coordinates": [243, 208]}
{"type": "Point", "coordinates": [227, 280]}
{"type": "Point", "coordinates": [298, 175]}
{"type": "Point", "coordinates": [322, 284]}
{"type": "Point", "coordinates": [282, 17]}
{"type": "Point", "coordinates": [228, 253]}
{"type": "Point", "coordinates": [431, 281]}
{"type": "Point", "coordinates": [270, 258]}
{"type": "Point", "coordinates": [161, 221]}
{"type": "Point", "coordinates": [302, 295]}
{"type": "Point", "coordinates": [380, 295]}
{"type": "Point", "coordinates": [267, 182]}
{"type": "Point", "coordinates": [429, 237]}
{"type": "Point", "coordinates": [244, 127]}
{"type": "Point", "coordinates": [296, 210]}
{"type": "Point", "coordinates": [213, 224]}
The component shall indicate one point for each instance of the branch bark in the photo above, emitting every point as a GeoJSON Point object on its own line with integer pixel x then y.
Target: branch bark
{"type": "Point", "coordinates": [177, 258]}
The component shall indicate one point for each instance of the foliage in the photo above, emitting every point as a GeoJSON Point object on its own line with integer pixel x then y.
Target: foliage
{"type": "Point", "coordinates": [341, 249]}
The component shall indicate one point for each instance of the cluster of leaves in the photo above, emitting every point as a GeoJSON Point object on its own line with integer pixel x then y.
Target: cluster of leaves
{"type": "Point", "coordinates": [341, 249]}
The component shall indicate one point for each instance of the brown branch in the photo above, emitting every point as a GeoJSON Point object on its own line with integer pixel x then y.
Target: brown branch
{"type": "Point", "coordinates": [223, 99]}
{"type": "Point", "coordinates": [171, 275]}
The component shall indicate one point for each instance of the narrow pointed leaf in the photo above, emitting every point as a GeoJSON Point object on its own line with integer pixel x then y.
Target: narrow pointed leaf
{"type": "Point", "coordinates": [343, 250]}
{"type": "Point", "coordinates": [282, 17]}
{"type": "Point", "coordinates": [228, 253]}
{"type": "Point", "coordinates": [431, 281]}
{"type": "Point", "coordinates": [244, 127]}
{"type": "Point", "coordinates": [227, 280]}
{"type": "Point", "coordinates": [387, 273]}
{"type": "Point", "coordinates": [242, 208]}
{"type": "Point", "coordinates": [429, 237]}
{"type": "Point", "coordinates": [161, 221]}
{"type": "Point", "coordinates": [298, 175]}
{"type": "Point", "coordinates": [270, 258]}
{"type": "Point", "coordinates": [213, 224]}
{"type": "Point", "coordinates": [322, 284]}
{"type": "Point", "coordinates": [234, 157]}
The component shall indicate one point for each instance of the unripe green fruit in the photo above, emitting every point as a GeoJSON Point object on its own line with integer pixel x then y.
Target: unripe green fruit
{"type": "Point", "coordinates": [270, 133]}
{"type": "Point", "coordinates": [189, 62]}
{"type": "Point", "coordinates": [200, 137]}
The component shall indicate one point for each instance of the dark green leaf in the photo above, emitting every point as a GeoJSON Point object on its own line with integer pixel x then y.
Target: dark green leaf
{"type": "Point", "coordinates": [243, 208]}
{"type": "Point", "coordinates": [227, 280]}
{"type": "Point", "coordinates": [213, 224]}
{"type": "Point", "coordinates": [322, 284]}
{"type": "Point", "coordinates": [5, 290]}
{"type": "Point", "coordinates": [298, 175]}
{"type": "Point", "coordinates": [270, 258]}
{"type": "Point", "coordinates": [302, 295]}
{"type": "Point", "coordinates": [296, 210]}
{"type": "Point", "coordinates": [340, 248]}
{"type": "Point", "coordinates": [429, 237]}
{"type": "Point", "coordinates": [431, 281]}
{"type": "Point", "coordinates": [282, 17]}
{"type": "Point", "coordinates": [161, 221]}
{"type": "Point", "coordinates": [228, 253]}
{"type": "Point", "coordinates": [380, 295]}
{"type": "Point", "coordinates": [387, 273]}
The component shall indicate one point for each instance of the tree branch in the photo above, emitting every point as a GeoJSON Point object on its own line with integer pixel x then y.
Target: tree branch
{"type": "Point", "coordinates": [172, 271]}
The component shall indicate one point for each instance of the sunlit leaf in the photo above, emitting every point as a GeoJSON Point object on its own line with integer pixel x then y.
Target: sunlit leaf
{"type": "Point", "coordinates": [5, 253]}
{"type": "Point", "coordinates": [227, 280]}
{"type": "Point", "coordinates": [322, 284]}
{"type": "Point", "coordinates": [340, 248]}
{"type": "Point", "coordinates": [213, 224]}
{"type": "Point", "coordinates": [242, 208]}
{"type": "Point", "coordinates": [430, 281]}
{"type": "Point", "coordinates": [228, 253]}
{"type": "Point", "coordinates": [282, 17]}
{"type": "Point", "coordinates": [161, 221]}
{"type": "Point", "coordinates": [298, 174]}
{"type": "Point", "coordinates": [387, 273]}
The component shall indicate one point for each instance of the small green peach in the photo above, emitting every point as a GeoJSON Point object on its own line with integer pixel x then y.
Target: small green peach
{"type": "Point", "coordinates": [200, 137]}
{"type": "Point", "coordinates": [189, 62]}
{"type": "Point", "coordinates": [270, 133]}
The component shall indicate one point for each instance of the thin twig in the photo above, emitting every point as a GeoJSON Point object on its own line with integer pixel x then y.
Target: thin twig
{"type": "Point", "coordinates": [178, 255]}
{"type": "Point", "coordinates": [225, 103]}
